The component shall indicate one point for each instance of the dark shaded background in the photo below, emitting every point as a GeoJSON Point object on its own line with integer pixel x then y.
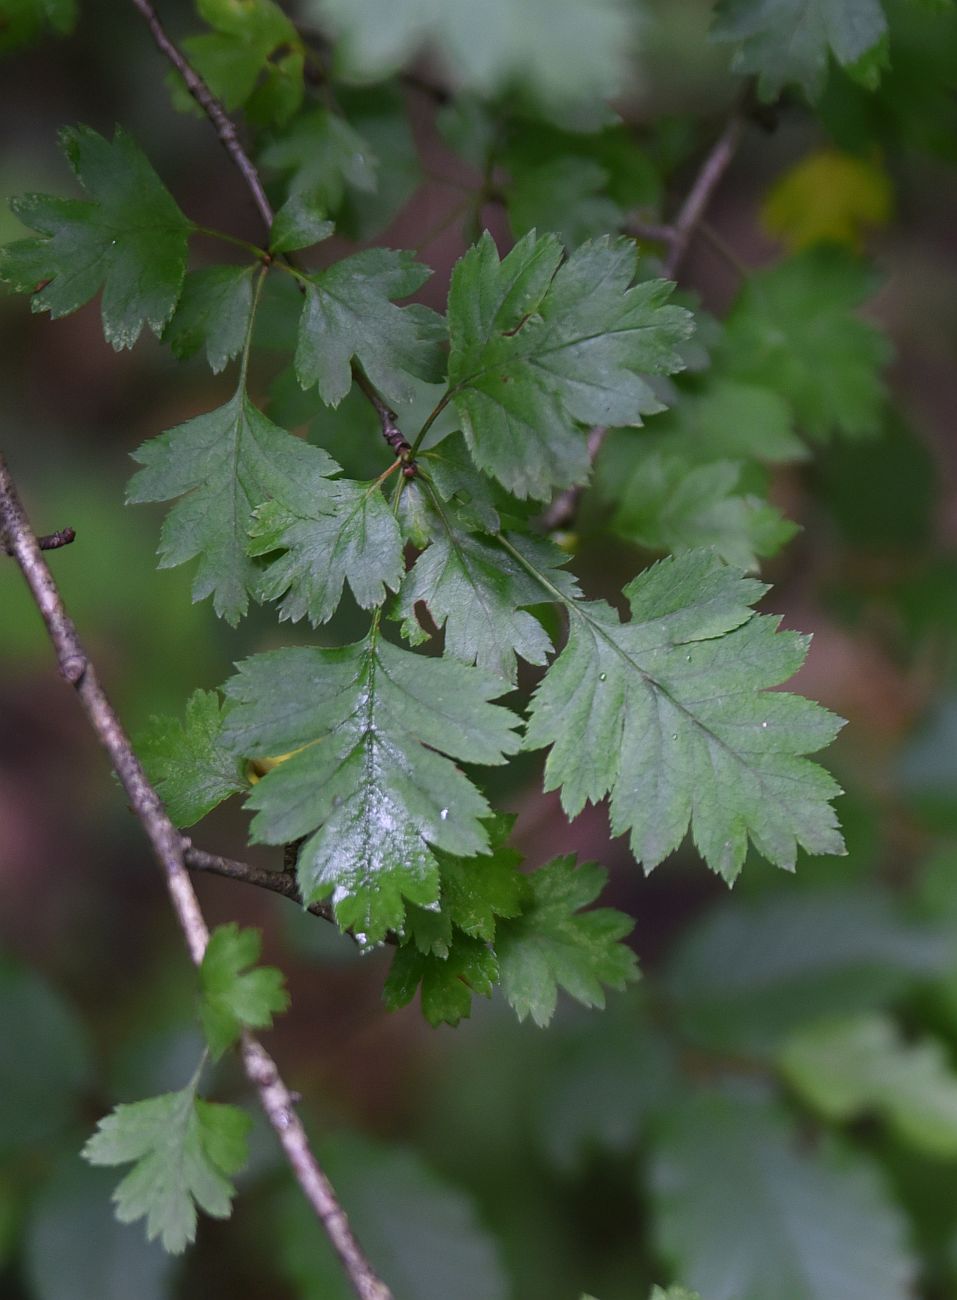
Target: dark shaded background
{"type": "Point", "coordinates": [872, 575]}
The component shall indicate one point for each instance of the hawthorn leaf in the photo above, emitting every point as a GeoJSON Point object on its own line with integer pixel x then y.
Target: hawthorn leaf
{"type": "Point", "coordinates": [478, 592]}
{"type": "Point", "coordinates": [348, 314]}
{"type": "Point", "coordinates": [538, 349]}
{"type": "Point", "coordinates": [747, 1209]}
{"type": "Point", "coordinates": [299, 223]}
{"type": "Point", "coordinates": [184, 1153]}
{"type": "Point", "coordinates": [213, 313]}
{"type": "Point", "coordinates": [335, 531]}
{"type": "Point", "coordinates": [553, 944]}
{"type": "Point", "coordinates": [671, 504]}
{"type": "Point", "coordinates": [851, 1066]}
{"type": "Point", "coordinates": [670, 713]}
{"type": "Point", "coordinates": [789, 42]}
{"type": "Point", "coordinates": [232, 997]}
{"type": "Point", "coordinates": [447, 983]}
{"type": "Point", "coordinates": [452, 471]}
{"type": "Point", "coordinates": [474, 893]}
{"type": "Point", "coordinates": [252, 57]}
{"type": "Point", "coordinates": [128, 239]}
{"type": "Point", "coordinates": [223, 464]}
{"type": "Point", "coordinates": [374, 787]}
{"type": "Point", "coordinates": [559, 50]}
{"type": "Point", "coordinates": [324, 157]}
{"type": "Point", "coordinates": [186, 762]}
{"type": "Point", "coordinates": [795, 328]}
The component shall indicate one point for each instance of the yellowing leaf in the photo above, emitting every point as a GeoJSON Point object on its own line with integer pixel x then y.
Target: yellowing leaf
{"type": "Point", "coordinates": [829, 197]}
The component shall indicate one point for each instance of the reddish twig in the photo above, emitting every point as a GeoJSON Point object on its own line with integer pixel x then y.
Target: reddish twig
{"type": "Point", "coordinates": [225, 126]}
{"type": "Point", "coordinates": [702, 191]}
{"type": "Point", "coordinates": [166, 842]}
{"type": "Point", "coordinates": [676, 237]}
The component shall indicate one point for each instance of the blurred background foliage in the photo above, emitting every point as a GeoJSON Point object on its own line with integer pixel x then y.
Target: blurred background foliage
{"type": "Point", "coordinates": [773, 1111]}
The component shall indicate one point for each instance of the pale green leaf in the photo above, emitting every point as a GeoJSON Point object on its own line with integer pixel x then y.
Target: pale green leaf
{"type": "Point", "coordinates": [184, 1152]}
{"type": "Point", "coordinates": [224, 464]}
{"type": "Point", "coordinates": [186, 762]}
{"type": "Point", "coordinates": [670, 714]}
{"type": "Point", "coordinates": [849, 1067]}
{"type": "Point", "coordinates": [233, 998]}
{"type": "Point", "coordinates": [560, 50]}
{"type": "Point", "coordinates": [746, 1209]}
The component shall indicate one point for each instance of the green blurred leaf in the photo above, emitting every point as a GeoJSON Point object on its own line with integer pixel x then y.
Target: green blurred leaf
{"type": "Point", "coordinates": [233, 998]}
{"type": "Point", "coordinates": [786, 42]}
{"type": "Point", "coordinates": [795, 328]}
{"type": "Point", "coordinates": [559, 50]}
{"type": "Point", "coordinates": [299, 223]}
{"type": "Point", "coordinates": [845, 1068]}
{"type": "Point", "coordinates": [129, 238]}
{"type": "Point", "coordinates": [184, 1152]}
{"type": "Point", "coordinates": [23, 21]}
{"type": "Point", "coordinates": [419, 1232]}
{"type": "Point", "coordinates": [74, 1249]}
{"type": "Point", "coordinates": [46, 1063]}
{"type": "Point", "coordinates": [746, 975]}
{"type": "Point", "coordinates": [747, 1211]}
{"type": "Point", "coordinates": [185, 761]}
{"type": "Point", "coordinates": [671, 504]}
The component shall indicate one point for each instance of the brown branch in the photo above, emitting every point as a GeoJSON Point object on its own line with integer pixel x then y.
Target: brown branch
{"type": "Point", "coordinates": [229, 135]}
{"type": "Point", "coordinates": [75, 666]}
{"type": "Point", "coordinates": [277, 882]}
{"type": "Point", "coordinates": [677, 236]}
{"type": "Point", "coordinates": [225, 126]}
{"type": "Point", "coordinates": [702, 191]}
{"type": "Point", "coordinates": [52, 541]}
{"type": "Point", "coordinates": [561, 513]}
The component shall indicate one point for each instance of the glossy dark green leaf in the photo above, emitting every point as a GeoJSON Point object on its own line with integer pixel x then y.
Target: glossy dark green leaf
{"type": "Point", "coordinates": [128, 238]}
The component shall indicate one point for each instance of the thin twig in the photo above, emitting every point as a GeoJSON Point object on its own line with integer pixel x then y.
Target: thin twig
{"type": "Point", "coordinates": [167, 845]}
{"type": "Point", "coordinates": [561, 513]}
{"type": "Point", "coordinates": [277, 882]}
{"type": "Point", "coordinates": [225, 126]}
{"type": "Point", "coordinates": [702, 191]}
{"type": "Point", "coordinates": [229, 135]}
{"type": "Point", "coordinates": [52, 541]}
{"type": "Point", "coordinates": [564, 508]}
